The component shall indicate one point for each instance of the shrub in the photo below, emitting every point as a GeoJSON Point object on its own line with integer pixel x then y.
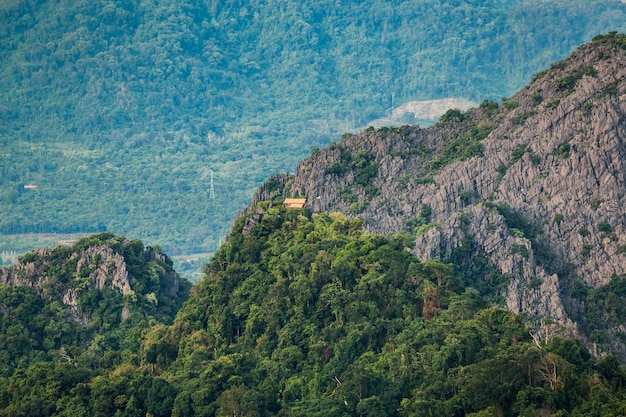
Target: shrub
{"type": "Point", "coordinates": [501, 171]}
{"type": "Point", "coordinates": [553, 104]}
{"type": "Point", "coordinates": [595, 202]}
{"type": "Point", "coordinates": [521, 250]}
{"type": "Point", "coordinates": [534, 159]}
{"type": "Point", "coordinates": [452, 114]}
{"type": "Point", "coordinates": [465, 196]}
{"type": "Point", "coordinates": [518, 152]}
{"type": "Point", "coordinates": [510, 104]}
{"type": "Point", "coordinates": [521, 119]}
{"type": "Point", "coordinates": [562, 151]}
{"type": "Point", "coordinates": [604, 227]}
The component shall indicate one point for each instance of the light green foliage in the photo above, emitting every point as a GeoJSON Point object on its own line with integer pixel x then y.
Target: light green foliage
{"type": "Point", "coordinates": [553, 104]}
{"type": "Point", "coordinates": [562, 151]}
{"type": "Point", "coordinates": [510, 104]}
{"type": "Point", "coordinates": [595, 202]}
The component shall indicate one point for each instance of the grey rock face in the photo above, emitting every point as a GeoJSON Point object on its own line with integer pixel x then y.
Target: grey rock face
{"type": "Point", "coordinates": [555, 154]}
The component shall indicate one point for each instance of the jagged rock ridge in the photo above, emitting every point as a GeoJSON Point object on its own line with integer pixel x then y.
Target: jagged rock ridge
{"type": "Point", "coordinates": [554, 155]}
{"type": "Point", "coordinates": [94, 263]}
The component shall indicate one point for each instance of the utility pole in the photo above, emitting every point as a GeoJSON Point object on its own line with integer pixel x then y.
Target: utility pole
{"type": "Point", "coordinates": [212, 192]}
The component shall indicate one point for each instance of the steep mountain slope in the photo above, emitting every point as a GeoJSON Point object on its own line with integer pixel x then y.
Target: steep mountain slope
{"type": "Point", "coordinates": [304, 314]}
{"type": "Point", "coordinates": [535, 186]}
{"type": "Point", "coordinates": [123, 114]}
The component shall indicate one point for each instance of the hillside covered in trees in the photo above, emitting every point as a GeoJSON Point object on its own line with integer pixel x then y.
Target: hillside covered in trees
{"type": "Point", "coordinates": [303, 314]}
{"type": "Point", "coordinates": [158, 119]}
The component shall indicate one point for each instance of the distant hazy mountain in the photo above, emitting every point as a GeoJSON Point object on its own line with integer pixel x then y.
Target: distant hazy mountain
{"type": "Point", "coordinates": [159, 119]}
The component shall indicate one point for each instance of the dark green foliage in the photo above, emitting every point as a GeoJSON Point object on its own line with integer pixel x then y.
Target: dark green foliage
{"type": "Point", "coordinates": [364, 166]}
{"type": "Point", "coordinates": [465, 196]}
{"type": "Point", "coordinates": [452, 114]}
{"type": "Point", "coordinates": [501, 169]}
{"type": "Point", "coordinates": [52, 360]}
{"type": "Point", "coordinates": [426, 180]}
{"type": "Point", "coordinates": [534, 159]}
{"type": "Point", "coordinates": [522, 250]}
{"type": "Point", "coordinates": [617, 39]}
{"type": "Point", "coordinates": [568, 82]}
{"type": "Point", "coordinates": [472, 265]}
{"type": "Point", "coordinates": [521, 119]}
{"type": "Point", "coordinates": [489, 107]}
{"type": "Point", "coordinates": [362, 163]}
{"type": "Point", "coordinates": [420, 223]}
{"type": "Point", "coordinates": [521, 227]}
{"type": "Point", "coordinates": [342, 166]}
{"type": "Point", "coordinates": [309, 316]}
{"type": "Point", "coordinates": [518, 152]}
{"type": "Point", "coordinates": [534, 283]}
{"type": "Point", "coordinates": [610, 89]}
{"type": "Point", "coordinates": [509, 104]}
{"type": "Point", "coordinates": [604, 227]}
{"type": "Point", "coordinates": [605, 308]}
{"type": "Point", "coordinates": [466, 145]}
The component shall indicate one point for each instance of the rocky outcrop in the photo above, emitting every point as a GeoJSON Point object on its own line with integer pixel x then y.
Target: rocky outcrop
{"type": "Point", "coordinates": [66, 273]}
{"type": "Point", "coordinates": [554, 155]}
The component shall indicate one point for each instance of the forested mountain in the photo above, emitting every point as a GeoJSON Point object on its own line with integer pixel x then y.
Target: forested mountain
{"type": "Point", "coordinates": [301, 314]}
{"type": "Point", "coordinates": [67, 312]}
{"type": "Point", "coordinates": [503, 236]}
{"type": "Point", "coordinates": [158, 119]}
{"type": "Point", "coordinates": [529, 193]}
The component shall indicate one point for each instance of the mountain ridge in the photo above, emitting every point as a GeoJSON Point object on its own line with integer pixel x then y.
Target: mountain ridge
{"type": "Point", "coordinates": [535, 184]}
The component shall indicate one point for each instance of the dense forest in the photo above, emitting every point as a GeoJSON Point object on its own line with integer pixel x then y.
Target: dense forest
{"type": "Point", "coordinates": [158, 119]}
{"type": "Point", "coordinates": [301, 314]}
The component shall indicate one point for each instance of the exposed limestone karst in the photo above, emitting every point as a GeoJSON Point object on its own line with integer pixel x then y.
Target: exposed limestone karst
{"type": "Point", "coordinates": [554, 155]}
{"type": "Point", "coordinates": [63, 274]}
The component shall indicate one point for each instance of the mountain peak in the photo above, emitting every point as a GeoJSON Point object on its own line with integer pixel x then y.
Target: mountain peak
{"type": "Point", "coordinates": [535, 184]}
{"type": "Point", "coordinates": [136, 278]}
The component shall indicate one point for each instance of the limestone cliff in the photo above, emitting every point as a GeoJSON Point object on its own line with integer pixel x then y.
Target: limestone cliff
{"type": "Point", "coordinates": [96, 263]}
{"type": "Point", "coordinates": [537, 182]}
